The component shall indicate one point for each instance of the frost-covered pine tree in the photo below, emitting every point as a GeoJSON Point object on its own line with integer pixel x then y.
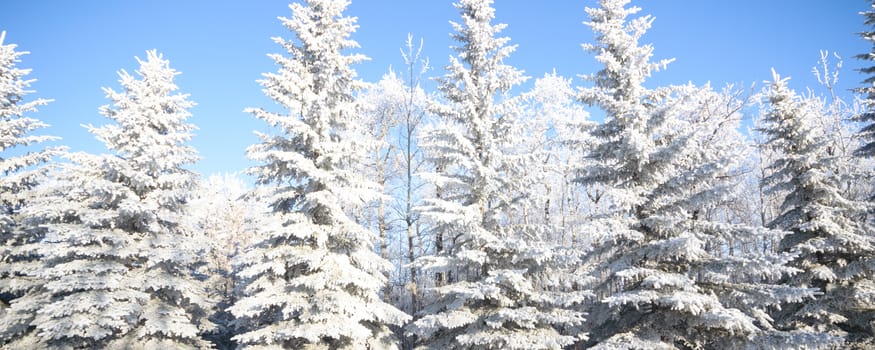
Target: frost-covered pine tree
{"type": "Point", "coordinates": [499, 292]}
{"type": "Point", "coordinates": [20, 172]}
{"type": "Point", "coordinates": [666, 158]}
{"type": "Point", "coordinates": [312, 280]}
{"type": "Point", "coordinates": [119, 256]}
{"type": "Point", "coordinates": [868, 88]}
{"type": "Point", "coordinates": [828, 234]}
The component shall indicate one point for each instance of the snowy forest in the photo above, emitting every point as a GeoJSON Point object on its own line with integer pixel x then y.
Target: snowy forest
{"type": "Point", "coordinates": [598, 212]}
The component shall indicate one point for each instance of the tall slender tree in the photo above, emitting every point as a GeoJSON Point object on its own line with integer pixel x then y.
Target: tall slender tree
{"type": "Point", "coordinates": [20, 171]}
{"type": "Point", "coordinates": [397, 105]}
{"type": "Point", "coordinates": [414, 113]}
{"type": "Point", "coordinates": [868, 88]}
{"type": "Point", "coordinates": [829, 236]}
{"type": "Point", "coordinates": [312, 279]}
{"type": "Point", "coordinates": [119, 255]}
{"type": "Point", "coordinates": [665, 157]}
{"type": "Point", "coordinates": [499, 295]}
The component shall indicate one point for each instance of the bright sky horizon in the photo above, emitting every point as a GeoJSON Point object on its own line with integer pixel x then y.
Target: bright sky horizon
{"type": "Point", "coordinates": [220, 47]}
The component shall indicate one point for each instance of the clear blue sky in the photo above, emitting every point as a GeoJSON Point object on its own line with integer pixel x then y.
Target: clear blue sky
{"type": "Point", "coordinates": [220, 47]}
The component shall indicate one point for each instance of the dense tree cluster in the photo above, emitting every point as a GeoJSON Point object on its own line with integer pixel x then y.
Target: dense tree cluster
{"type": "Point", "coordinates": [384, 216]}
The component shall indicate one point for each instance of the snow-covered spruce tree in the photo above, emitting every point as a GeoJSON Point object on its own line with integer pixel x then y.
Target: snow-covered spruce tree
{"type": "Point", "coordinates": [119, 256]}
{"type": "Point", "coordinates": [20, 172]}
{"type": "Point", "coordinates": [312, 279]}
{"type": "Point", "coordinates": [499, 292]}
{"type": "Point", "coordinates": [832, 241]}
{"type": "Point", "coordinates": [867, 133]}
{"type": "Point", "coordinates": [666, 157]}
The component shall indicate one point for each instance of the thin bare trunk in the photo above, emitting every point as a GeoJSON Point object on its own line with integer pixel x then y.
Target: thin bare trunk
{"type": "Point", "coordinates": [408, 209]}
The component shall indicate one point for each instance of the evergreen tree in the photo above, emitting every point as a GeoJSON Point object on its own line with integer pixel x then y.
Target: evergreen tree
{"type": "Point", "coordinates": [119, 256]}
{"type": "Point", "coordinates": [499, 291]}
{"type": "Point", "coordinates": [868, 88]}
{"type": "Point", "coordinates": [667, 157]}
{"type": "Point", "coordinates": [312, 279]}
{"type": "Point", "coordinates": [20, 172]}
{"type": "Point", "coordinates": [828, 234]}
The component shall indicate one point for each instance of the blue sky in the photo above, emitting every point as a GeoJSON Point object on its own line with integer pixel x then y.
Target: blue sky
{"type": "Point", "coordinates": [220, 47]}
